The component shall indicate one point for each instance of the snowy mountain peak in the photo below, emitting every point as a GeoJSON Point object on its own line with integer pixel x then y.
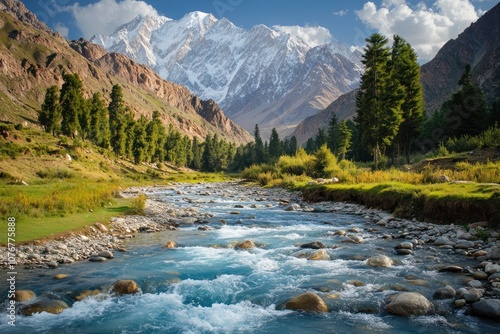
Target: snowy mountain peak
{"type": "Point", "coordinates": [271, 76]}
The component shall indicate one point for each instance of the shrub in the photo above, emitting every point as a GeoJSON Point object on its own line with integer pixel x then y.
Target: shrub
{"type": "Point", "coordinates": [139, 204]}
{"type": "Point", "coordinates": [265, 178]}
{"type": "Point", "coordinates": [10, 150]}
{"type": "Point", "coordinates": [55, 174]}
{"type": "Point", "coordinates": [299, 164]}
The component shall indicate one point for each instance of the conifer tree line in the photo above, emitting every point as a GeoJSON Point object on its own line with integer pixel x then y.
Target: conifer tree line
{"type": "Point", "coordinates": [112, 126]}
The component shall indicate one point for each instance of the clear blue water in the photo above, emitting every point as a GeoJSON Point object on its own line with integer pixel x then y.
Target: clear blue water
{"type": "Point", "coordinates": [205, 287]}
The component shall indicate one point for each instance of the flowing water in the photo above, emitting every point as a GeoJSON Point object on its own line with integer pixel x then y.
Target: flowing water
{"type": "Point", "coordinates": [206, 286]}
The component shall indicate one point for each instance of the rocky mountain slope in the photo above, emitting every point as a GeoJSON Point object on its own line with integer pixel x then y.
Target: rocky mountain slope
{"type": "Point", "coordinates": [478, 45]}
{"type": "Point", "coordinates": [32, 58]}
{"type": "Point", "coordinates": [259, 76]}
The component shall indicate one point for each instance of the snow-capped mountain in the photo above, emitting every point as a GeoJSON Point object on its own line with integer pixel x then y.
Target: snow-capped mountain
{"type": "Point", "coordinates": [259, 76]}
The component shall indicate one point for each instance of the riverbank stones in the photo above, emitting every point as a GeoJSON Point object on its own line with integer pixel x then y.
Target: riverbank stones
{"type": "Point", "coordinates": [446, 292]}
{"type": "Point", "coordinates": [486, 308]}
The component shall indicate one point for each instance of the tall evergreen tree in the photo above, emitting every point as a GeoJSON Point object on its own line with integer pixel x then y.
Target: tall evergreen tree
{"type": "Point", "coordinates": [494, 114]}
{"type": "Point", "coordinates": [332, 139]}
{"type": "Point", "coordinates": [129, 123]}
{"type": "Point", "coordinates": [344, 138]}
{"type": "Point", "coordinates": [208, 157]}
{"type": "Point", "coordinates": [259, 154]}
{"type": "Point", "coordinates": [406, 70]}
{"type": "Point", "coordinates": [71, 100]}
{"type": "Point", "coordinates": [320, 139]}
{"type": "Point", "coordinates": [293, 146]}
{"type": "Point", "coordinates": [117, 121]}
{"type": "Point", "coordinates": [50, 115]}
{"type": "Point", "coordinates": [378, 102]}
{"type": "Point", "coordinates": [197, 149]}
{"type": "Point", "coordinates": [467, 107]}
{"type": "Point", "coordinates": [84, 118]}
{"type": "Point", "coordinates": [99, 122]}
{"type": "Point", "coordinates": [139, 137]}
{"type": "Point", "coordinates": [275, 149]}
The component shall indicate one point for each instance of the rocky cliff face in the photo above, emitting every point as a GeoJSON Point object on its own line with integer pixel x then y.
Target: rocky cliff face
{"type": "Point", "coordinates": [259, 76]}
{"type": "Point", "coordinates": [478, 45]}
{"type": "Point", "coordinates": [31, 60]}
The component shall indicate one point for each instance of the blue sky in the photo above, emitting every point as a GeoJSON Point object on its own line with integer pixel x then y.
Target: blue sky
{"type": "Point", "coordinates": [426, 24]}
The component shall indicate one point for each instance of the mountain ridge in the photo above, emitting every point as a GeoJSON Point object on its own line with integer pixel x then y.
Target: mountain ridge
{"type": "Point", "coordinates": [259, 76]}
{"type": "Point", "coordinates": [31, 60]}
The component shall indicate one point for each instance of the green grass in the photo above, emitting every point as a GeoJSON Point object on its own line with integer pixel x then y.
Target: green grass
{"type": "Point", "coordinates": [30, 228]}
{"type": "Point", "coordinates": [440, 203]}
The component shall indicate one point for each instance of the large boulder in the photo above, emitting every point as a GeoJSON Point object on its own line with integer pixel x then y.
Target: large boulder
{"type": "Point", "coordinates": [409, 303]}
{"type": "Point", "coordinates": [46, 305]}
{"type": "Point", "coordinates": [125, 287]}
{"type": "Point", "coordinates": [486, 308]}
{"type": "Point", "coordinates": [24, 295]}
{"type": "Point", "coordinates": [309, 302]}
{"type": "Point", "coordinates": [494, 253]}
{"type": "Point", "coordinates": [471, 295]}
{"type": "Point", "coordinates": [380, 261]}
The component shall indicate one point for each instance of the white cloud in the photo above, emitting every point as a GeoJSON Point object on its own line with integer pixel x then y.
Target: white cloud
{"type": "Point", "coordinates": [62, 29]}
{"type": "Point", "coordinates": [105, 16]}
{"type": "Point", "coordinates": [341, 12]}
{"type": "Point", "coordinates": [426, 29]}
{"type": "Point", "coordinates": [312, 36]}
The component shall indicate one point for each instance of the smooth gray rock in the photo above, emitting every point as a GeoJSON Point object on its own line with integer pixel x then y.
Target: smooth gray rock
{"type": "Point", "coordinates": [486, 308]}
{"type": "Point", "coordinates": [446, 292]}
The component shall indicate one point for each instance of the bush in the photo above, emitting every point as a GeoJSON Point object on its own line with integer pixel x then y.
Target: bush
{"type": "Point", "coordinates": [139, 204]}
{"type": "Point", "coordinates": [55, 174]}
{"type": "Point", "coordinates": [10, 150]}
{"type": "Point", "coordinates": [265, 178]}
{"type": "Point", "coordinates": [253, 172]}
{"type": "Point", "coordinates": [299, 164]}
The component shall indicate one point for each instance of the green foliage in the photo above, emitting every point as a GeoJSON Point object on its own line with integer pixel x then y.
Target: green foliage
{"type": "Point", "coordinates": [299, 164]}
{"type": "Point", "coordinates": [51, 114]}
{"type": "Point", "coordinates": [139, 203]}
{"type": "Point", "coordinates": [380, 97]}
{"type": "Point", "coordinates": [344, 139]}
{"type": "Point", "coordinates": [10, 150]}
{"type": "Point", "coordinates": [117, 121]}
{"type": "Point", "coordinates": [72, 104]}
{"type": "Point", "coordinates": [325, 163]}
{"type": "Point", "coordinates": [275, 146]}
{"type": "Point", "coordinates": [56, 174]}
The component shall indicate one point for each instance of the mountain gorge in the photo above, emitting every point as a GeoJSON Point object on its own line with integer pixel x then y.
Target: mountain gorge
{"type": "Point", "coordinates": [259, 76]}
{"type": "Point", "coordinates": [32, 58]}
{"type": "Point", "coordinates": [478, 45]}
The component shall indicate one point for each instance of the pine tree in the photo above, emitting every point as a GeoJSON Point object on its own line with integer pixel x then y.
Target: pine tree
{"type": "Point", "coordinates": [467, 107]}
{"type": "Point", "coordinates": [258, 156]}
{"type": "Point", "coordinates": [50, 115]}
{"type": "Point", "coordinates": [406, 71]}
{"type": "Point", "coordinates": [332, 139]}
{"type": "Point", "coordinates": [117, 122]}
{"type": "Point", "coordinates": [152, 132]}
{"type": "Point", "coordinates": [275, 149]}
{"type": "Point", "coordinates": [139, 147]}
{"type": "Point", "coordinates": [208, 157]}
{"type": "Point", "coordinates": [71, 100]}
{"type": "Point", "coordinates": [197, 149]}
{"type": "Point", "coordinates": [84, 118]}
{"type": "Point", "coordinates": [99, 122]}
{"type": "Point", "coordinates": [344, 138]}
{"type": "Point", "coordinates": [129, 124]}
{"type": "Point", "coordinates": [379, 99]}
{"type": "Point", "coordinates": [320, 139]}
{"type": "Point", "coordinates": [494, 114]}
{"type": "Point", "coordinates": [293, 146]}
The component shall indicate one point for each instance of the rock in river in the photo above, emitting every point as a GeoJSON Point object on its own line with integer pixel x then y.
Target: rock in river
{"type": "Point", "coordinates": [446, 292]}
{"type": "Point", "coordinates": [24, 295]}
{"type": "Point", "coordinates": [319, 255]}
{"type": "Point", "coordinates": [309, 302]}
{"type": "Point", "coordinates": [247, 244]}
{"type": "Point", "coordinates": [380, 261]}
{"type": "Point", "coordinates": [486, 308]}
{"type": "Point", "coordinates": [313, 245]}
{"type": "Point", "coordinates": [47, 305]}
{"type": "Point", "coordinates": [125, 287]}
{"type": "Point", "coordinates": [170, 244]}
{"type": "Point", "coordinates": [409, 303]}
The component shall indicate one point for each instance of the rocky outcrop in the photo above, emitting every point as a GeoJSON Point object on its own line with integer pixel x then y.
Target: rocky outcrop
{"type": "Point", "coordinates": [33, 58]}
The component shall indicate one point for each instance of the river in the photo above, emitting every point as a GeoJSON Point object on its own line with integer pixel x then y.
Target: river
{"type": "Point", "coordinates": [206, 285]}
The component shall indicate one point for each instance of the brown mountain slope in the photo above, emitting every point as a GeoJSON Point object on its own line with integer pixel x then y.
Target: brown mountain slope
{"type": "Point", "coordinates": [478, 45]}
{"type": "Point", "coordinates": [31, 60]}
